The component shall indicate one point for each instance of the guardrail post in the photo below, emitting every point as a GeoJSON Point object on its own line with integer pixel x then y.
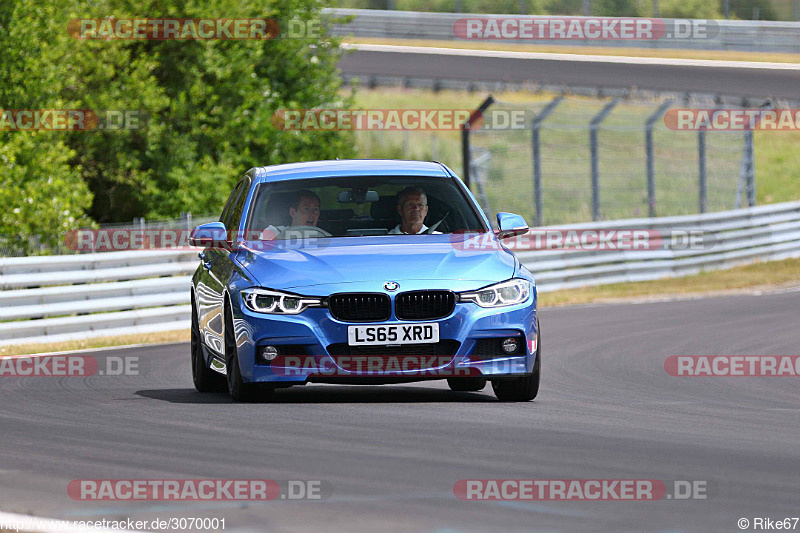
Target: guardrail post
{"type": "Point", "coordinates": [648, 142]}
{"type": "Point", "coordinates": [593, 127]}
{"type": "Point", "coordinates": [701, 160]}
{"type": "Point", "coordinates": [536, 125]}
{"type": "Point", "coordinates": [465, 152]}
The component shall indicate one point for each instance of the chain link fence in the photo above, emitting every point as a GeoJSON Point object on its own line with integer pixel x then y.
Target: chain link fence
{"type": "Point", "coordinates": [578, 160]}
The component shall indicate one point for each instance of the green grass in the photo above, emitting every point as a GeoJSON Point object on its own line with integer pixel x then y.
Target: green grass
{"type": "Point", "coordinates": [566, 157]}
{"type": "Point", "coordinates": [765, 274]}
{"type": "Point", "coordinates": [99, 342]}
{"type": "Point", "coordinates": [777, 166]}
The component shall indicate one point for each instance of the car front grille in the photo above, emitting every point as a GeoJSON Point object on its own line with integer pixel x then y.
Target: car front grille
{"type": "Point", "coordinates": [360, 307]}
{"type": "Point", "coordinates": [424, 305]}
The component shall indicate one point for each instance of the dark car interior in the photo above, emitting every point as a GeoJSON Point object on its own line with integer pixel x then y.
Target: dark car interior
{"type": "Point", "coordinates": [343, 216]}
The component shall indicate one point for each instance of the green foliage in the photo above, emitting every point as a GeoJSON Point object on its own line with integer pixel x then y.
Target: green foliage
{"type": "Point", "coordinates": [41, 191]}
{"type": "Point", "coordinates": [204, 109]}
{"type": "Point", "coordinates": [700, 9]}
{"type": "Point", "coordinates": [746, 10]}
{"type": "Point", "coordinates": [616, 8]}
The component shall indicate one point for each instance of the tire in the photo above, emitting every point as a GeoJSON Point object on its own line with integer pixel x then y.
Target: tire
{"type": "Point", "coordinates": [205, 379]}
{"type": "Point", "coordinates": [525, 388]}
{"type": "Point", "coordinates": [239, 391]}
{"type": "Point", "coordinates": [466, 384]}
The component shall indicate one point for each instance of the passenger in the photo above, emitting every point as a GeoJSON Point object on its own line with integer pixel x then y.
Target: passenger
{"type": "Point", "coordinates": [304, 213]}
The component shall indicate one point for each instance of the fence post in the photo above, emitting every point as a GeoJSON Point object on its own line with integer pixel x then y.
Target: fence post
{"type": "Point", "coordinates": [465, 155]}
{"type": "Point", "coordinates": [593, 126]}
{"type": "Point", "coordinates": [751, 174]}
{"type": "Point", "coordinates": [536, 125]}
{"type": "Point", "coordinates": [648, 142]}
{"type": "Point", "coordinates": [701, 160]}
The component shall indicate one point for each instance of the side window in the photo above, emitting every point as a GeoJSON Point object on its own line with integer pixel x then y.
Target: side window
{"type": "Point", "coordinates": [229, 204]}
{"type": "Point", "coordinates": [238, 207]}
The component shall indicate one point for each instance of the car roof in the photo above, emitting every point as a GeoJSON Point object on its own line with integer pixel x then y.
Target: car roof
{"type": "Point", "coordinates": [350, 167]}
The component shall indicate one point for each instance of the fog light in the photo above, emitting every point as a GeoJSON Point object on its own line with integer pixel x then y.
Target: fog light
{"type": "Point", "coordinates": [268, 353]}
{"type": "Point", "coordinates": [510, 345]}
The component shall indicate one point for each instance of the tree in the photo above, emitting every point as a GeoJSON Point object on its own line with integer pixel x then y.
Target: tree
{"type": "Point", "coordinates": [204, 107]}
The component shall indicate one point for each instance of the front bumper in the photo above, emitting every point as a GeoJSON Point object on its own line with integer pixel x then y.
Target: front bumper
{"type": "Point", "coordinates": [312, 343]}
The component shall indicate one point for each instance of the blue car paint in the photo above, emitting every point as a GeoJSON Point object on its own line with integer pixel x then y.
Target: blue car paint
{"type": "Point", "coordinates": [358, 264]}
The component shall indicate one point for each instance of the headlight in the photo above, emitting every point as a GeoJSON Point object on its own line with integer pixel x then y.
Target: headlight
{"type": "Point", "coordinates": [276, 302]}
{"type": "Point", "coordinates": [509, 292]}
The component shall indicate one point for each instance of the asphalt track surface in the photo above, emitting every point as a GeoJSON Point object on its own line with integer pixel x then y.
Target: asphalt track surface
{"type": "Point", "coordinates": [391, 454]}
{"type": "Point", "coordinates": [731, 81]}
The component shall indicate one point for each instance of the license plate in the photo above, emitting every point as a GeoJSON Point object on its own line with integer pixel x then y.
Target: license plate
{"type": "Point", "coordinates": [392, 334]}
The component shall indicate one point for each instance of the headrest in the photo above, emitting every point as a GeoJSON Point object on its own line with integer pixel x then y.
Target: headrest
{"type": "Point", "coordinates": [275, 212]}
{"type": "Point", "coordinates": [384, 209]}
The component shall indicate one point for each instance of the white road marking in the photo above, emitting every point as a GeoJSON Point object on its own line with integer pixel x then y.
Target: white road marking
{"type": "Point", "coordinates": [626, 60]}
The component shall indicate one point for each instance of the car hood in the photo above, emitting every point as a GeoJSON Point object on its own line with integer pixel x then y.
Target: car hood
{"type": "Point", "coordinates": [442, 259]}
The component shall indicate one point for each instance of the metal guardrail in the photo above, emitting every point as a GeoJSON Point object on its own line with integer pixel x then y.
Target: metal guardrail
{"type": "Point", "coordinates": [58, 298]}
{"type": "Point", "coordinates": [743, 35]}
{"type": "Point", "coordinates": [769, 232]}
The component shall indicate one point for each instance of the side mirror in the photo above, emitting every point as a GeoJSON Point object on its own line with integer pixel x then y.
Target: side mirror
{"type": "Point", "coordinates": [212, 234]}
{"type": "Point", "coordinates": [510, 225]}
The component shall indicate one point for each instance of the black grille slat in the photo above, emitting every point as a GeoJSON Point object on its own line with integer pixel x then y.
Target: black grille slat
{"type": "Point", "coordinates": [424, 305]}
{"type": "Point", "coordinates": [360, 307]}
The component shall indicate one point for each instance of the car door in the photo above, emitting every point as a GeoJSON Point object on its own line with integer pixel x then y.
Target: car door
{"type": "Point", "coordinates": [216, 272]}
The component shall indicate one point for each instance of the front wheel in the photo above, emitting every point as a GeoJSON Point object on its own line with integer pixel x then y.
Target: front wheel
{"type": "Point", "coordinates": [237, 388]}
{"type": "Point", "coordinates": [525, 388]}
{"type": "Point", "coordinates": [205, 379]}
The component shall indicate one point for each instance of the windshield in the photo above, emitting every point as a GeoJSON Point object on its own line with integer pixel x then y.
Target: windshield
{"type": "Point", "coordinates": [361, 206]}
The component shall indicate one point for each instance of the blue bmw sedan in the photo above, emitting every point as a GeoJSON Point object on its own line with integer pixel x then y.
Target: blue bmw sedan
{"type": "Point", "coordinates": [361, 272]}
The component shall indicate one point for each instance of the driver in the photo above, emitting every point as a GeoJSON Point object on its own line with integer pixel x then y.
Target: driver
{"type": "Point", "coordinates": [412, 204]}
{"type": "Point", "coordinates": [304, 213]}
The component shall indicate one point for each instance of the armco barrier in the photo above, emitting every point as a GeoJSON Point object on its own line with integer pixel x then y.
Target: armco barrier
{"type": "Point", "coordinates": [743, 35]}
{"type": "Point", "coordinates": [764, 233]}
{"type": "Point", "coordinates": [57, 298]}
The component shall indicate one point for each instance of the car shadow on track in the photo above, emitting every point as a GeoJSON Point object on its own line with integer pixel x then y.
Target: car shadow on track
{"type": "Point", "coordinates": [339, 394]}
